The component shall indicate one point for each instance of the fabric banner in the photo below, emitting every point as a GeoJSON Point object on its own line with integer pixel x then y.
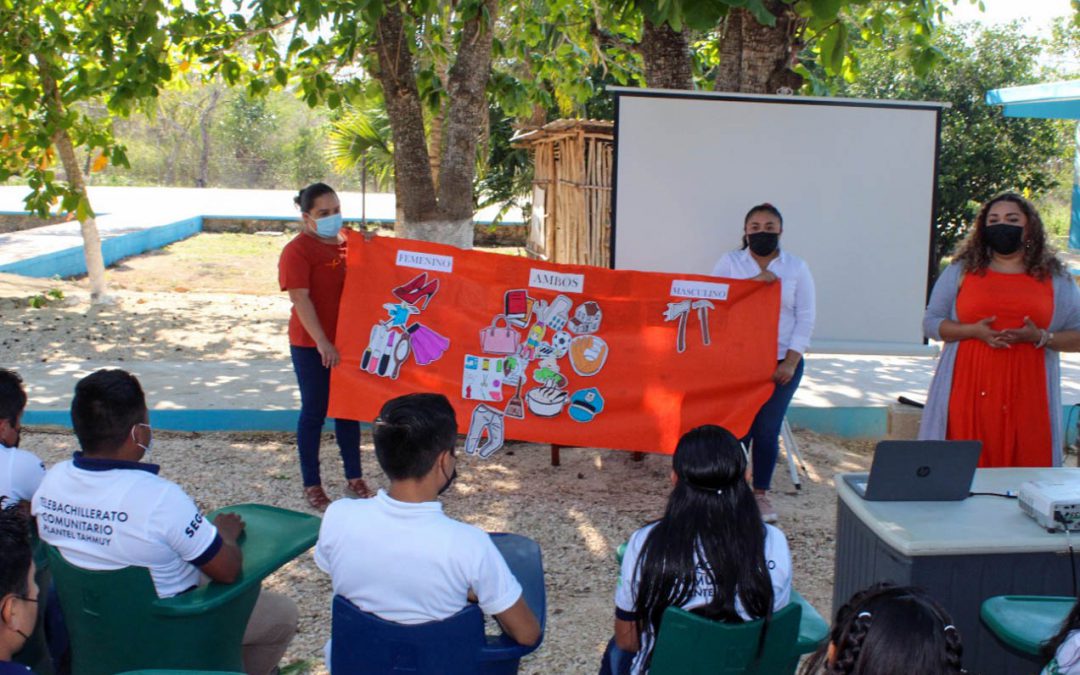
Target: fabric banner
{"type": "Point", "coordinates": [563, 354]}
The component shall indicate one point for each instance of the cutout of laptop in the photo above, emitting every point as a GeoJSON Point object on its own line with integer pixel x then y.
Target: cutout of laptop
{"type": "Point", "coordinates": [918, 471]}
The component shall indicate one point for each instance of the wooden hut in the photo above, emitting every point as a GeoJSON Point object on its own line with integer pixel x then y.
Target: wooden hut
{"type": "Point", "coordinates": [571, 206]}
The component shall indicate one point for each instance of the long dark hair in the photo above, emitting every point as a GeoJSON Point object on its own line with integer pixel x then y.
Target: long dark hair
{"type": "Point", "coordinates": [711, 515]}
{"type": "Point", "coordinates": [890, 630]}
{"type": "Point", "coordinates": [1072, 622]}
{"type": "Point", "coordinates": [1040, 259]}
{"type": "Point", "coordinates": [305, 199]}
{"type": "Point", "coordinates": [760, 208]}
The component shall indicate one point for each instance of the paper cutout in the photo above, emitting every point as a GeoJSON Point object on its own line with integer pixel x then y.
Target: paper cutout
{"type": "Point", "coordinates": [496, 340]}
{"type": "Point", "coordinates": [399, 313]}
{"type": "Point", "coordinates": [515, 407]}
{"type": "Point", "coordinates": [514, 367]}
{"type": "Point", "coordinates": [481, 379]}
{"type": "Point", "coordinates": [427, 345]}
{"type": "Point", "coordinates": [586, 404]}
{"type": "Point", "coordinates": [587, 318]}
{"type": "Point", "coordinates": [545, 351]}
{"type": "Point", "coordinates": [416, 289]}
{"type": "Point", "coordinates": [518, 307]}
{"type": "Point", "coordinates": [546, 401]}
{"type": "Point", "coordinates": [560, 343]}
{"type": "Point", "coordinates": [387, 349]}
{"type": "Point", "coordinates": [588, 354]}
{"type": "Point", "coordinates": [703, 307]}
{"type": "Point", "coordinates": [679, 311]}
{"type": "Point", "coordinates": [548, 374]}
{"type": "Point", "coordinates": [486, 432]}
{"type": "Point", "coordinates": [533, 342]}
{"type": "Point", "coordinates": [554, 315]}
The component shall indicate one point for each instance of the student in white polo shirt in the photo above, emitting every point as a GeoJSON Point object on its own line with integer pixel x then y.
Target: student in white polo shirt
{"type": "Point", "coordinates": [397, 555]}
{"type": "Point", "coordinates": [105, 509]}
{"type": "Point", "coordinates": [20, 471]}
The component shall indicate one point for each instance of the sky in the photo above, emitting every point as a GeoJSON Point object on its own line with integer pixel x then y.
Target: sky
{"type": "Point", "coordinates": [1038, 13]}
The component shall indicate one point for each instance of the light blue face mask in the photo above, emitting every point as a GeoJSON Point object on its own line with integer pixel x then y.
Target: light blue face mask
{"type": "Point", "coordinates": [329, 226]}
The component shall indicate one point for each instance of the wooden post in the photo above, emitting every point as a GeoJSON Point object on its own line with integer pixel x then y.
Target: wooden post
{"type": "Point", "coordinates": [555, 460]}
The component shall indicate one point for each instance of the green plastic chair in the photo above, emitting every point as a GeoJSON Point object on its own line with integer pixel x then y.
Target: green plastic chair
{"type": "Point", "coordinates": [1024, 622]}
{"type": "Point", "coordinates": [690, 645]}
{"type": "Point", "coordinates": [117, 623]}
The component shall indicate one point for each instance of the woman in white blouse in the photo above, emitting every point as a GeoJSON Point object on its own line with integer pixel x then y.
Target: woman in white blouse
{"type": "Point", "coordinates": [761, 259]}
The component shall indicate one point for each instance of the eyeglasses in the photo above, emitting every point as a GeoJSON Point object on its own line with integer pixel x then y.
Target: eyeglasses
{"type": "Point", "coordinates": [26, 599]}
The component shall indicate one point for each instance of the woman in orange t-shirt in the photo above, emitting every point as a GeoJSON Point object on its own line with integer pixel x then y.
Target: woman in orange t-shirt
{"type": "Point", "coordinates": [312, 270]}
{"type": "Point", "coordinates": [1005, 307]}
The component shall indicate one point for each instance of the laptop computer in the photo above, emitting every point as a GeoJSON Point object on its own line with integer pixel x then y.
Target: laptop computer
{"type": "Point", "coordinates": [918, 471]}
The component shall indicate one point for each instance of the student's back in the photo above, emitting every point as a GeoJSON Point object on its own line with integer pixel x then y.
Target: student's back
{"type": "Point", "coordinates": [20, 471]}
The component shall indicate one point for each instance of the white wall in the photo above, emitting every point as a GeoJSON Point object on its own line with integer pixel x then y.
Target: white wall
{"type": "Point", "coordinates": [854, 181]}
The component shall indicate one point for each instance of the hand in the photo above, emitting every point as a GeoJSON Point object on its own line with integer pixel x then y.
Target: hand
{"type": "Point", "coordinates": [784, 372]}
{"type": "Point", "coordinates": [1028, 333]}
{"type": "Point", "coordinates": [329, 354]}
{"type": "Point", "coordinates": [981, 330]}
{"type": "Point", "coordinates": [229, 526]}
{"type": "Point", "coordinates": [766, 276]}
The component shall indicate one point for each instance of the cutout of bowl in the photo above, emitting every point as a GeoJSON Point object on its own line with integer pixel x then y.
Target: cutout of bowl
{"type": "Point", "coordinates": [546, 401]}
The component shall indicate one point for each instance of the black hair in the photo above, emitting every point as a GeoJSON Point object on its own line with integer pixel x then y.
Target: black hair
{"type": "Point", "coordinates": [107, 404]}
{"type": "Point", "coordinates": [305, 199]}
{"type": "Point", "coordinates": [15, 552]}
{"type": "Point", "coordinates": [711, 513]}
{"type": "Point", "coordinates": [12, 395]}
{"type": "Point", "coordinates": [760, 208]}
{"type": "Point", "coordinates": [1049, 648]}
{"type": "Point", "coordinates": [890, 630]}
{"type": "Point", "coordinates": [410, 433]}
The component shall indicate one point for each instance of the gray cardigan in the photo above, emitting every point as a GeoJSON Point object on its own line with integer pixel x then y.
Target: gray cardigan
{"type": "Point", "coordinates": [942, 306]}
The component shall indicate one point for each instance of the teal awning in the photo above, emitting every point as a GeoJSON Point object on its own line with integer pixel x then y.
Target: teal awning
{"type": "Point", "coordinates": [1052, 100]}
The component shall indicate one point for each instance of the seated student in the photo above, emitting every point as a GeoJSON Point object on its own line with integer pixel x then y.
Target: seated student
{"type": "Point", "coordinates": [105, 510]}
{"type": "Point", "coordinates": [1062, 652]}
{"type": "Point", "coordinates": [397, 555]}
{"type": "Point", "coordinates": [710, 553]}
{"type": "Point", "coordinates": [889, 630]}
{"type": "Point", "coordinates": [18, 592]}
{"type": "Point", "coordinates": [20, 471]}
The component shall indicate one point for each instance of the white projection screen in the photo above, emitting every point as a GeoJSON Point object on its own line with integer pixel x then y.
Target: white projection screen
{"type": "Point", "coordinates": [854, 179]}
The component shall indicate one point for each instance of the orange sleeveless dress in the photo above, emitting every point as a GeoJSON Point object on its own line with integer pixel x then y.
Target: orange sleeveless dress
{"type": "Point", "coordinates": [999, 396]}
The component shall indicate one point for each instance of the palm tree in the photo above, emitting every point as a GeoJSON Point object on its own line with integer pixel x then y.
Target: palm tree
{"type": "Point", "coordinates": [360, 140]}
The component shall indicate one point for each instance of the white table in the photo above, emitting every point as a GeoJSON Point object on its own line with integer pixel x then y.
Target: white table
{"type": "Point", "coordinates": [961, 552]}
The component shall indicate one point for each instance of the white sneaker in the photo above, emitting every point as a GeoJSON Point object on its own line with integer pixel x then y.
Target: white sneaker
{"type": "Point", "coordinates": [768, 513]}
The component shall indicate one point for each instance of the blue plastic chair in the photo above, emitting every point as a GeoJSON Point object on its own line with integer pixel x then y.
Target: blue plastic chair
{"type": "Point", "coordinates": [364, 644]}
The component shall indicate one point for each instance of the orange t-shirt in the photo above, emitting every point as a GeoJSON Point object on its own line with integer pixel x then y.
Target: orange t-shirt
{"type": "Point", "coordinates": [308, 263]}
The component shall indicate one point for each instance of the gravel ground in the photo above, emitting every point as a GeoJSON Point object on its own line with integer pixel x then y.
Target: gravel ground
{"type": "Point", "coordinates": [579, 512]}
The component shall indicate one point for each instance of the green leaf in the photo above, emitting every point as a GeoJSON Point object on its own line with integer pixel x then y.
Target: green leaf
{"type": "Point", "coordinates": [826, 9]}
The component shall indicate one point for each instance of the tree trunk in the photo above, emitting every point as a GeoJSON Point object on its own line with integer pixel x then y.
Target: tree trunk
{"type": "Point", "coordinates": [667, 57]}
{"type": "Point", "coordinates": [95, 262]}
{"type": "Point", "coordinates": [754, 58]}
{"type": "Point", "coordinates": [204, 129]}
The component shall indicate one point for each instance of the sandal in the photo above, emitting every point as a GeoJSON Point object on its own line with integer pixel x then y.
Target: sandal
{"type": "Point", "coordinates": [358, 487]}
{"type": "Point", "coordinates": [316, 497]}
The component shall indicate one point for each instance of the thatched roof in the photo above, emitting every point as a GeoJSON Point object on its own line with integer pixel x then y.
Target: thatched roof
{"type": "Point", "coordinates": [558, 128]}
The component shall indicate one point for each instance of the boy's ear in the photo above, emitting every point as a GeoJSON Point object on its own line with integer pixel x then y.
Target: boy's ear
{"type": "Point", "coordinates": [674, 478]}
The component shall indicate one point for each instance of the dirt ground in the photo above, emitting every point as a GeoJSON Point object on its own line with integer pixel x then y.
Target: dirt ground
{"type": "Point", "coordinates": [213, 298]}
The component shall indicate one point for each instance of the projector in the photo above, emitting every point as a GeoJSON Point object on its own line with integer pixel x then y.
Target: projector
{"type": "Point", "coordinates": [1055, 506]}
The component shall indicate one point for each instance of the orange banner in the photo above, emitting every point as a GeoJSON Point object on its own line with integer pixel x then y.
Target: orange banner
{"type": "Point", "coordinates": [565, 354]}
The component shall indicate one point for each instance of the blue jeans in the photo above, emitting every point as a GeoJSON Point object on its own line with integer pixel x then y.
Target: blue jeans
{"type": "Point", "coordinates": [765, 431]}
{"type": "Point", "coordinates": [314, 381]}
{"type": "Point", "coordinates": [616, 661]}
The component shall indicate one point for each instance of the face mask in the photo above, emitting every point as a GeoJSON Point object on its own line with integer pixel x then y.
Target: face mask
{"type": "Point", "coordinates": [763, 243]}
{"type": "Point", "coordinates": [1004, 238]}
{"type": "Point", "coordinates": [329, 226]}
{"type": "Point", "coordinates": [149, 444]}
{"type": "Point", "coordinates": [449, 481]}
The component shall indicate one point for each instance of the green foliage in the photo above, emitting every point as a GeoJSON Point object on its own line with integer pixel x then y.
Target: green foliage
{"type": "Point", "coordinates": [362, 136]}
{"type": "Point", "coordinates": [42, 300]}
{"type": "Point", "coordinates": [982, 152]}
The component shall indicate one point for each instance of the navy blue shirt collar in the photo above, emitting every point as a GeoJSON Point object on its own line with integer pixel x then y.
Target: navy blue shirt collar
{"type": "Point", "coordinates": [12, 668]}
{"type": "Point", "coordinates": [81, 461]}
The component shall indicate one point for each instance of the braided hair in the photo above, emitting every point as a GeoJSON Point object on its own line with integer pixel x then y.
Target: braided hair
{"type": "Point", "coordinates": [890, 630]}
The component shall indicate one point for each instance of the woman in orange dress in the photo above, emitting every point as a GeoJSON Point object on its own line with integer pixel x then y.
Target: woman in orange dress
{"type": "Point", "coordinates": [1005, 307]}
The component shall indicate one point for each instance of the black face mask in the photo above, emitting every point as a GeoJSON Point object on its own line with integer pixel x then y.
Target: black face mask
{"type": "Point", "coordinates": [1003, 238]}
{"type": "Point", "coordinates": [763, 243]}
{"type": "Point", "coordinates": [449, 482]}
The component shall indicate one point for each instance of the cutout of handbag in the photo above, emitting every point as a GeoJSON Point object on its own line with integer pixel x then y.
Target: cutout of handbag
{"type": "Point", "coordinates": [496, 340]}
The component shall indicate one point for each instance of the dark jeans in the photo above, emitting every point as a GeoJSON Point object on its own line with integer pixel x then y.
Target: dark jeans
{"type": "Point", "coordinates": [765, 431]}
{"type": "Point", "coordinates": [616, 661]}
{"type": "Point", "coordinates": [314, 381]}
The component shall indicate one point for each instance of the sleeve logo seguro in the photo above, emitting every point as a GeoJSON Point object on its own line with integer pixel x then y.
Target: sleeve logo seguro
{"type": "Point", "coordinates": [550, 353]}
{"type": "Point", "coordinates": [193, 526]}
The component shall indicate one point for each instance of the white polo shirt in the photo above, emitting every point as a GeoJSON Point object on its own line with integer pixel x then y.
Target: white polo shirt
{"type": "Point", "coordinates": [410, 563]}
{"type": "Point", "coordinates": [107, 514]}
{"type": "Point", "coordinates": [797, 298]}
{"type": "Point", "coordinates": [777, 559]}
{"type": "Point", "coordinates": [20, 474]}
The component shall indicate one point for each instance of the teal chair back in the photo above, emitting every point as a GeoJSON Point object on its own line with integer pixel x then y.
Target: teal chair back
{"type": "Point", "coordinates": [691, 645]}
{"type": "Point", "coordinates": [117, 623]}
